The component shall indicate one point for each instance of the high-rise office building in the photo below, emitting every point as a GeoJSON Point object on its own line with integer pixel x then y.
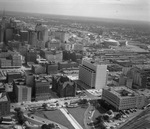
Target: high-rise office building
{"type": "Point", "coordinates": [92, 74]}
{"type": "Point", "coordinates": [32, 39]}
{"type": "Point", "coordinates": [8, 35]}
{"type": "Point", "coordinates": [24, 35]}
{"type": "Point", "coordinates": [41, 89]}
{"type": "Point", "coordinates": [42, 33]}
{"type": "Point", "coordinates": [22, 92]}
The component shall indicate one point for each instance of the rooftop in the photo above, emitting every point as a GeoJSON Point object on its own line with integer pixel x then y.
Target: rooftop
{"type": "Point", "coordinates": [3, 97]}
{"type": "Point", "coordinates": [122, 91]}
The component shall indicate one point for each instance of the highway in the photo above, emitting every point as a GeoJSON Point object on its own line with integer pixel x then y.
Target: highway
{"type": "Point", "coordinates": [74, 123]}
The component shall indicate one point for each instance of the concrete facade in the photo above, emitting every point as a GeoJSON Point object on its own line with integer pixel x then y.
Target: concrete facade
{"type": "Point", "coordinates": [92, 74]}
{"type": "Point", "coordinates": [123, 98]}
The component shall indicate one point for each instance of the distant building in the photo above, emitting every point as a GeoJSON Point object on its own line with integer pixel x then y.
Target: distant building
{"type": "Point", "coordinates": [67, 64]}
{"type": "Point", "coordinates": [8, 35]}
{"type": "Point", "coordinates": [32, 38]}
{"type": "Point", "coordinates": [31, 56]}
{"type": "Point", "coordinates": [5, 63]}
{"type": "Point", "coordinates": [29, 77]}
{"type": "Point", "coordinates": [41, 89]}
{"type": "Point", "coordinates": [4, 104]}
{"type": "Point", "coordinates": [64, 87]}
{"type": "Point", "coordinates": [92, 74]}
{"type": "Point", "coordinates": [140, 77]}
{"type": "Point", "coordinates": [42, 33]}
{"type": "Point", "coordinates": [16, 59]}
{"type": "Point", "coordinates": [51, 55]}
{"type": "Point", "coordinates": [62, 36]}
{"type": "Point", "coordinates": [77, 47]}
{"type": "Point", "coordinates": [38, 69]}
{"type": "Point", "coordinates": [123, 98]}
{"type": "Point", "coordinates": [22, 91]}
{"type": "Point", "coordinates": [68, 47]}
{"type": "Point", "coordinates": [54, 44]}
{"type": "Point", "coordinates": [51, 68]}
{"type": "Point", "coordinates": [70, 55]}
{"type": "Point", "coordinates": [14, 45]}
{"type": "Point", "coordinates": [24, 35]}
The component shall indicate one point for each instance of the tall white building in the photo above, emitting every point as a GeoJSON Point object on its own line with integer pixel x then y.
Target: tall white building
{"type": "Point", "coordinates": [93, 74]}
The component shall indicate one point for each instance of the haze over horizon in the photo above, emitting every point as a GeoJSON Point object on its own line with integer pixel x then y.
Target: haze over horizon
{"type": "Point", "coordinates": [117, 9]}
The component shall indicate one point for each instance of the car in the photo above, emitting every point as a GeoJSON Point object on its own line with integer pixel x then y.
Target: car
{"type": "Point", "coordinates": [88, 123]}
{"type": "Point", "coordinates": [130, 110]}
{"type": "Point", "coordinates": [123, 112]}
{"type": "Point", "coordinates": [124, 116]}
{"type": "Point", "coordinates": [32, 117]}
{"type": "Point", "coordinates": [127, 112]}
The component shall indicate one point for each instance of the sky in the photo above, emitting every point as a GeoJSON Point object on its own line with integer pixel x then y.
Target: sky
{"type": "Point", "coordinates": [117, 9]}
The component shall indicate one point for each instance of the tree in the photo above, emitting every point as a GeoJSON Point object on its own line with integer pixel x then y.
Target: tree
{"type": "Point", "coordinates": [21, 118]}
{"type": "Point", "coordinates": [44, 126]}
{"type": "Point", "coordinates": [106, 117]}
{"type": "Point", "coordinates": [44, 105]}
{"type": "Point", "coordinates": [51, 126]}
{"type": "Point", "coordinates": [100, 119]}
{"type": "Point", "coordinates": [17, 109]}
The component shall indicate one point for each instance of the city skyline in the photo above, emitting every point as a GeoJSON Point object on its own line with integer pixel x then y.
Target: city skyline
{"type": "Point", "coordinates": [116, 9]}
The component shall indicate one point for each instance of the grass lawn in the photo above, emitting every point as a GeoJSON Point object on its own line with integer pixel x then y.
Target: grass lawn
{"type": "Point", "coordinates": [56, 116]}
{"type": "Point", "coordinates": [78, 114]}
{"type": "Point", "coordinates": [96, 114]}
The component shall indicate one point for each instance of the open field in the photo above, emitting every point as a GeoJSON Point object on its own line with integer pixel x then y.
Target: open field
{"type": "Point", "coordinates": [56, 116]}
{"type": "Point", "coordinates": [78, 114]}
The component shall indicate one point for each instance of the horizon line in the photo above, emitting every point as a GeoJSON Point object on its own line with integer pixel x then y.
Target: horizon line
{"type": "Point", "coordinates": [122, 19]}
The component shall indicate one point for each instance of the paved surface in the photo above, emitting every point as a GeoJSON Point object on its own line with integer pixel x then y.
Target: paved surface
{"type": "Point", "coordinates": [40, 121]}
{"type": "Point", "coordinates": [75, 124]}
{"type": "Point", "coordinates": [137, 122]}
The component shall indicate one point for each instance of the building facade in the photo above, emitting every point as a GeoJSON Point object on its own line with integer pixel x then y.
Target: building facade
{"type": "Point", "coordinates": [63, 86]}
{"type": "Point", "coordinates": [41, 89]}
{"type": "Point", "coordinates": [4, 104]}
{"type": "Point", "coordinates": [92, 74]}
{"type": "Point", "coordinates": [22, 91]}
{"type": "Point", "coordinates": [123, 98]}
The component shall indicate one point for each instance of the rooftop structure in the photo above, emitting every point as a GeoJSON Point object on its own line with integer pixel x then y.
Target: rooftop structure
{"type": "Point", "coordinates": [123, 98]}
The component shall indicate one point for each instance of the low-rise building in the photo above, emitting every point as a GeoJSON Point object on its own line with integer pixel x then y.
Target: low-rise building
{"type": "Point", "coordinates": [63, 86]}
{"type": "Point", "coordinates": [13, 75]}
{"type": "Point", "coordinates": [38, 69]}
{"type": "Point", "coordinates": [51, 68]}
{"type": "Point", "coordinates": [122, 97]}
{"type": "Point", "coordinates": [4, 104]}
{"type": "Point", "coordinates": [51, 55]}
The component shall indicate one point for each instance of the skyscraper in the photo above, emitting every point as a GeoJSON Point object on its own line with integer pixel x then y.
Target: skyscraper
{"type": "Point", "coordinates": [42, 33]}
